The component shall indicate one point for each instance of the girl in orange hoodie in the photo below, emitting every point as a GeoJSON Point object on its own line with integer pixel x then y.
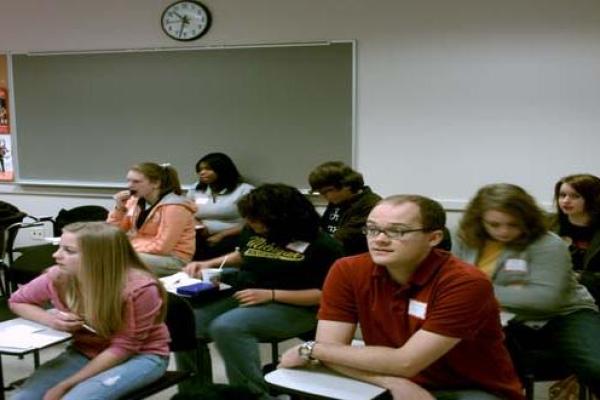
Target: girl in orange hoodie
{"type": "Point", "coordinates": [157, 218]}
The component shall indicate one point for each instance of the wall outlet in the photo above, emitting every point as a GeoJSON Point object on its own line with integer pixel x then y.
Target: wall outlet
{"type": "Point", "coordinates": [38, 233]}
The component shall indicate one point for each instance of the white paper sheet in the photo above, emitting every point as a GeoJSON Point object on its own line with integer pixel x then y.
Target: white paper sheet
{"type": "Point", "coordinates": [23, 337]}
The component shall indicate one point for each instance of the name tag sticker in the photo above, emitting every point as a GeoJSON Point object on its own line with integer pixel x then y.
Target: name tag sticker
{"type": "Point", "coordinates": [298, 246]}
{"type": "Point", "coordinates": [201, 200]}
{"type": "Point", "coordinates": [417, 308]}
{"type": "Point", "coordinates": [515, 265]}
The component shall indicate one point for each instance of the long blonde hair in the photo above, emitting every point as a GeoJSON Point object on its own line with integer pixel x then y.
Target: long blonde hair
{"type": "Point", "coordinates": [96, 292]}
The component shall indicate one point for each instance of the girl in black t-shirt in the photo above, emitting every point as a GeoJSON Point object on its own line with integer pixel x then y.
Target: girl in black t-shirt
{"type": "Point", "coordinates": [577, 221]}
{"type": "Point", "coordinates": [281, 263]}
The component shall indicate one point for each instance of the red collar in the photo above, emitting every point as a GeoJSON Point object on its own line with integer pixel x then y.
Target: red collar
{"type": "Point", "coordinates": [424, 272]}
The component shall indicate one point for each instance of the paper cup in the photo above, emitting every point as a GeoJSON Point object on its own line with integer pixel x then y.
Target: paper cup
{"type": "Point", "coordinates": [212, 275]}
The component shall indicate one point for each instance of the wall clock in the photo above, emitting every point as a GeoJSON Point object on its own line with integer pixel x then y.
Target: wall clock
{"type": "Point", "coordinates": [185, 20]}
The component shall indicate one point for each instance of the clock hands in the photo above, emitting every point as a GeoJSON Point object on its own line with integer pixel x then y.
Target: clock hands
{"type": "Point", "coordinates": [184, 22]}
{"type": "Point", "coordinates": [179, 19]}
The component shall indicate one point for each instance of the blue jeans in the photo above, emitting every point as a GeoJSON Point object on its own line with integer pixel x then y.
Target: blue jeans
{"type": "Point", "coordinates": [113, 383]}
{"type": "Point", "coordinates": [570, 339]}
{"type": "Point", "coordinates": [237, 331]}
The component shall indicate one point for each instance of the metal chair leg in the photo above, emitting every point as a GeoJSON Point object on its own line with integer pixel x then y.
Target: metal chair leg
{"type": "Point", "coordinates": [584, 392]}
{"type": "Point", "coordinates": [529, 384]}
{"type": "Point", "coordinates": [274, 352]}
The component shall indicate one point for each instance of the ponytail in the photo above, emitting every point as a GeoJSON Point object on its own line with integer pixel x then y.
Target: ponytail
{"type": "Point", "coordinates": [170, 181]}
{"type": "Point", "coordinates": [163, 173]}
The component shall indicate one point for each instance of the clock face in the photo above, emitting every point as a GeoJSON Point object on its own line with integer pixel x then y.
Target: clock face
{"type": "Point", "coordinates": [185, 20]}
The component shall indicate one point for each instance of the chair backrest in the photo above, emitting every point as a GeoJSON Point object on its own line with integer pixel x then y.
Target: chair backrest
{"type": "Point", "coordinates": [9, 215]}
{"type": "Point", "coordinates": [25, 262]}
{"type": "Point", "coordinates": [181, 322]}
{"type": "Point", "coordinates": [78, 214]}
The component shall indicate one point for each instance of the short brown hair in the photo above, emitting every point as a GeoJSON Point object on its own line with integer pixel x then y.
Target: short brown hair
{"type": "Point", "coordinates": [507, 198]}
{"type": "Point", "coordinates": [336, 174]}
{"type": "Point", "coordinates": [433, 216]}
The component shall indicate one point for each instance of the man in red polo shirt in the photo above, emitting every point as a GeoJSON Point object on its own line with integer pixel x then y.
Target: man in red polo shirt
{"type": "Point", "coordinates": [430, 322]}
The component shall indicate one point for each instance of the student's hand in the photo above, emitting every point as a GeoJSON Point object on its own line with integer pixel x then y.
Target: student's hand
{"type": "Point", "coordinates": [291, 359]}
{"type": "Point", "coordinates": [194, 269]}
{"type": "Point", "coordinates": [252, 297]}
{"type": "Point", "coordinates": [214, 239]}
{"type": "Point", "coordinates": [401, 388]}
{"type": "Point", "coordinates": [57, 392]}
{"type": "Point", "coordinates": [190, 203]}
{"type": "Point", "coordinates": [67, 321]}
{"type": "Point", "coordinates": [121, 198]}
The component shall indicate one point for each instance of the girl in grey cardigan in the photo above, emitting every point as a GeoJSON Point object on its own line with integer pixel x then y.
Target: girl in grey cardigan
{"type": "Point", "coordinates": [503, 232]}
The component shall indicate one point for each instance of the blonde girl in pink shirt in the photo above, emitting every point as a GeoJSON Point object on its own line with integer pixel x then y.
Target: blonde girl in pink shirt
{"type": "Point", "coordinates": [113, 306]}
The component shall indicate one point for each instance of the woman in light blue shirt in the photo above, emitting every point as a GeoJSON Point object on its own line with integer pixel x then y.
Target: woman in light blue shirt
{"type": "Point", "coordinates": [219, 188]}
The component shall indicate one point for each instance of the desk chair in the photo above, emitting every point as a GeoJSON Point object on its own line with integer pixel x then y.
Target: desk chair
{"type": "Point", "coordinates": [25, 262]}
{"type": "Point", "coordinates": [539, 365]}
{"type": "Point", "coordinates": [50, 337]}
{"type": "Point", "coordinates": [322, 383]}
{"type": "Point", "coordinates": [542, 368]}
{"type": "Point", "coordinates": [9, 215]}
{"type": "Point", "coordinates": [78, 214]}
{"type": "Point", "coordinates": [182, 326]}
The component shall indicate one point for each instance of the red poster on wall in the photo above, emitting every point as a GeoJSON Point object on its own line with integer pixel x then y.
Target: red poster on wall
{"type": "Point", "coordinates": [6, 164]}
{"type": "Point", "coordinates": [4, 117]}
{"type": "Point", "coordinates": [4, 111]}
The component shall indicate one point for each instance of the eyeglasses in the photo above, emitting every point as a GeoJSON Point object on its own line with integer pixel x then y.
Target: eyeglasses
{"type": "Point", "coordinates": [324, 190]}
{"type": "Point", "coordinates": [391, 233]}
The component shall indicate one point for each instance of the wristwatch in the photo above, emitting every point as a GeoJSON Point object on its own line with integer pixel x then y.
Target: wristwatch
{"type": "Point", "coordinates": [305, 351]}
